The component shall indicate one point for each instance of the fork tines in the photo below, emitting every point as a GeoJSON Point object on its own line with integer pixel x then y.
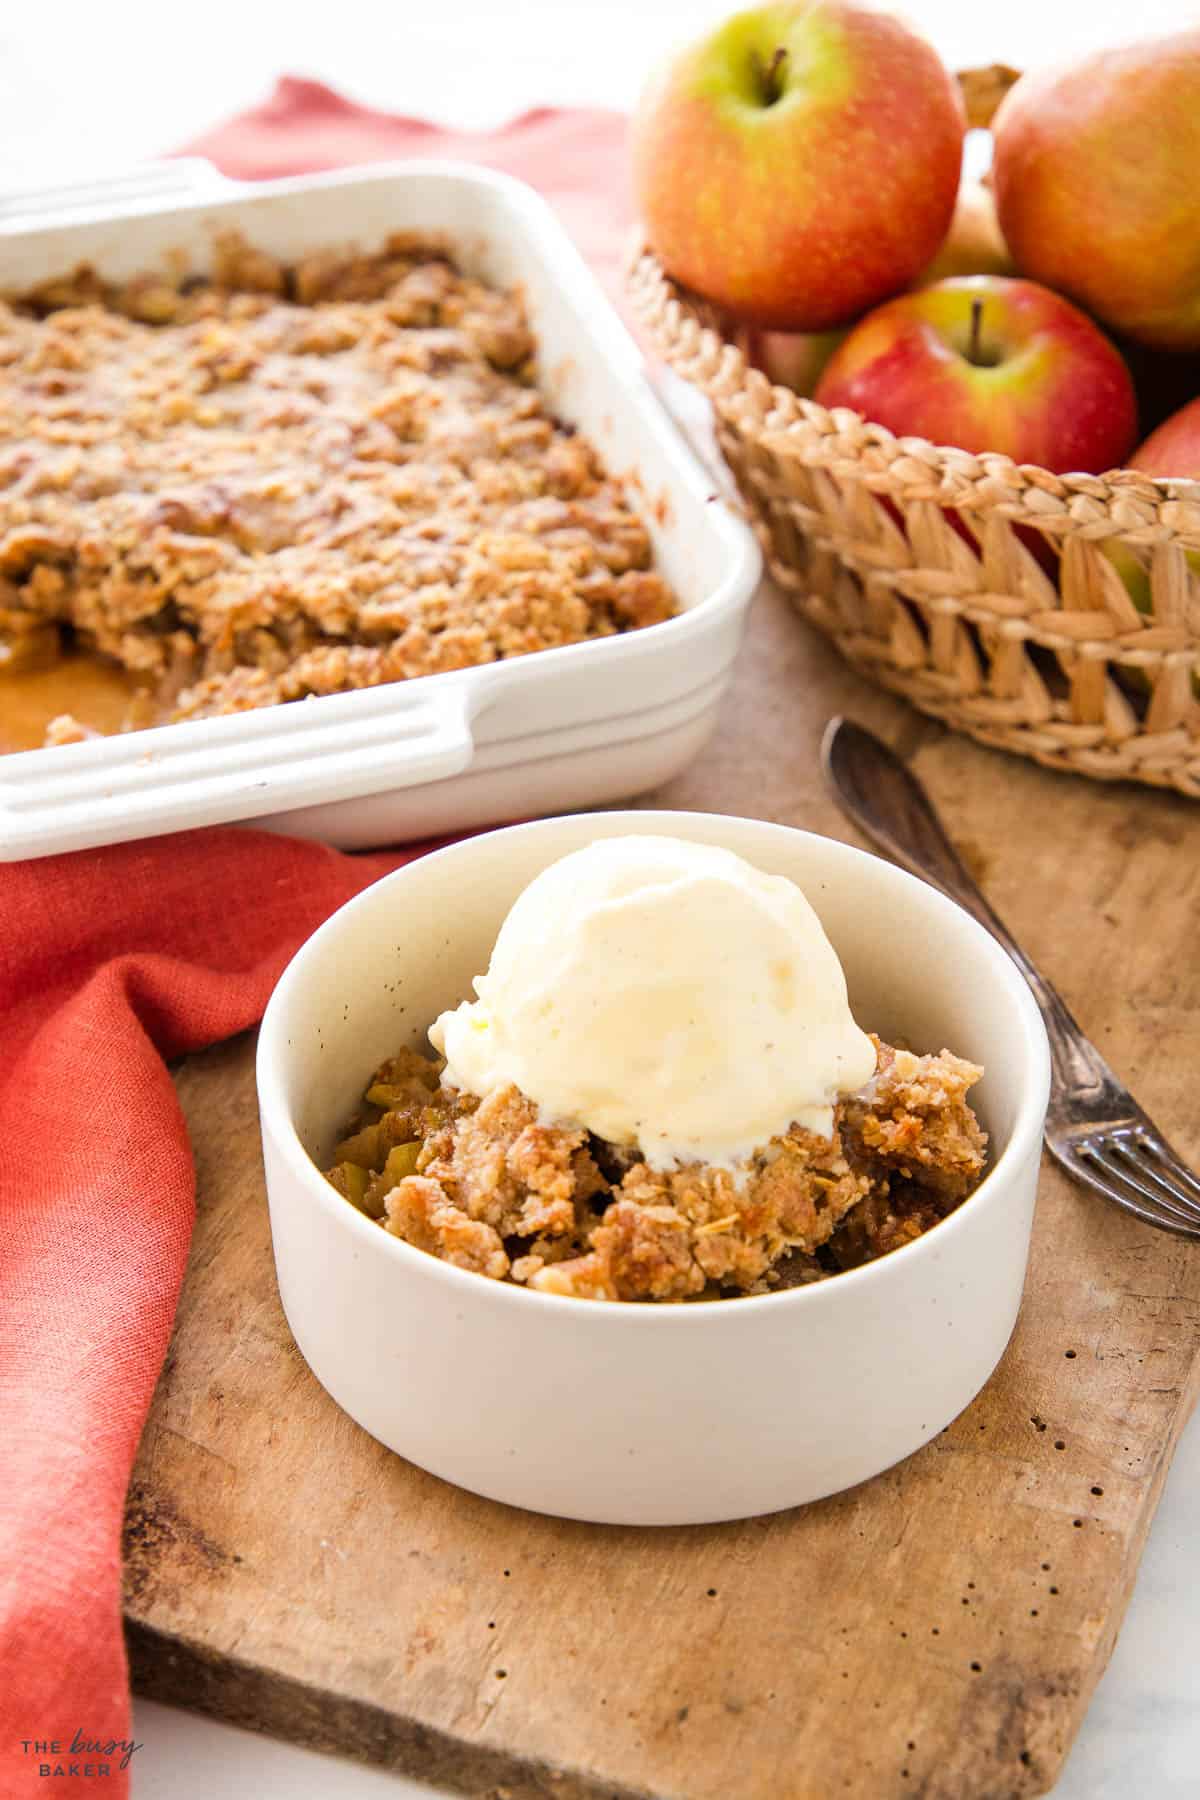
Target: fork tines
{"type": "Point", "coordinates": [1135, 1168]}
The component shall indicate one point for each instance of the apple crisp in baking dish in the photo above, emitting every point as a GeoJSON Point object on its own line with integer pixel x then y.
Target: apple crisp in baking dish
{"type": "Point", "coordinates": [272, 482]}
{"type": "Point", "coordinates": [483, 1184]}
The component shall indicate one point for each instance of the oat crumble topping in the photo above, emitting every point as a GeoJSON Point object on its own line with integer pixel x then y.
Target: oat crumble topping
{"type": "Point", "coordinates": [274, 482]}
{"type": "Point", "coordinates": [483, 1184]}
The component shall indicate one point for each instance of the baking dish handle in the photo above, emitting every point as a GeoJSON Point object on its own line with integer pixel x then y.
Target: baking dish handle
{"type": "Point", "coordinates": [243, 766]}
{"type": "Point", "coordinates": [173, 182]}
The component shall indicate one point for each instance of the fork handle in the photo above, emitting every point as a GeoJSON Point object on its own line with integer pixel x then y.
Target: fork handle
{"type": "Point", "coordinates": [890, 806]}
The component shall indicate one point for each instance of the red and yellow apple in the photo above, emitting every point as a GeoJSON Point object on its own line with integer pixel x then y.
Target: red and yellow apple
{"type": "Point", "coordinates": [1097, 181]}
{"type": "Point", "coordinates": [800, 163]}
{"type": "Point", "coordinates": [988, 363]}
{"type": "Point", "coordinates": [1174, 449]}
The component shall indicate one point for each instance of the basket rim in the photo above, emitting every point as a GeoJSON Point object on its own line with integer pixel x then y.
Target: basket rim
{"type": "Point", "coordinates": [697, 348]}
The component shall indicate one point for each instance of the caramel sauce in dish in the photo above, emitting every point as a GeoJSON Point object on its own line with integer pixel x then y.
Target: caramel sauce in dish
{"type": "Point", "coordinates": [104, 698]}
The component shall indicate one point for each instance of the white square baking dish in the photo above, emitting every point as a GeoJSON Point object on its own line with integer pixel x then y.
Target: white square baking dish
{"type": "Point", "coordinates": [563, 728]}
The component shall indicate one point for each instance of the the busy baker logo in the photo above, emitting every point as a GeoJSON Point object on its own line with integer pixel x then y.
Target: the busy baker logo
{"type": "Point", "coordinates": [86, 1755]}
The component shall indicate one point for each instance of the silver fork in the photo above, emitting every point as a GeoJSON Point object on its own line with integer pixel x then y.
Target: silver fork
{"type": "Point", "coordinates": [1094, 1127]}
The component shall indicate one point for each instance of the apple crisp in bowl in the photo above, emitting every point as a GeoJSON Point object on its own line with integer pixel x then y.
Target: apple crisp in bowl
{"type": "Point", "coordinates": [769, 1322]}
{"type": "Point", "coordinates": [488, 1186]}
{"type": "Point", "coordinates": [275, 481]}
{"type": "Point", "coordinates": [660, 1093]}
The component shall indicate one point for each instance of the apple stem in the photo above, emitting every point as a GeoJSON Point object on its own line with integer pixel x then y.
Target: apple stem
{"type": "Point", "coordinates": [976, 326]}
{"type": "Point", "coordinates": [772, 86]}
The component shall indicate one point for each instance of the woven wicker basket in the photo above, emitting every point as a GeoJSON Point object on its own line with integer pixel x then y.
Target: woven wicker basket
{"type": "Point", "coordinates": [1042, 654]}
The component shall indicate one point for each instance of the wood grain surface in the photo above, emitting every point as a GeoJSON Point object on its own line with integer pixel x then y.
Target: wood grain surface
{"type": "Point", "coordinates": [936, 1632]}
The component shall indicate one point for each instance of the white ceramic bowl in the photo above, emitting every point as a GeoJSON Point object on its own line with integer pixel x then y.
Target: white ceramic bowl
{"type": "Point", "coordinates": [630, 1414]}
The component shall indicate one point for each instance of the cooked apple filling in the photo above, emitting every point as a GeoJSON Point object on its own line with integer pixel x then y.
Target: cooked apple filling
{"type": "Point", "coordinates": [486, 1185]}
{"type": "Point", "coordinates": [279, 481]}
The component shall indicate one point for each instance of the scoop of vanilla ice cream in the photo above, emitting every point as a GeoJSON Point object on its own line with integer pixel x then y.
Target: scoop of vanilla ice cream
{"type": "Point", "coordinates": [665, 994]}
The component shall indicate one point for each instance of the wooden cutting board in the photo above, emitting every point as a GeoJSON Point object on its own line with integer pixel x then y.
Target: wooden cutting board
{"type": "Point", "coordinates": [935, 1633]}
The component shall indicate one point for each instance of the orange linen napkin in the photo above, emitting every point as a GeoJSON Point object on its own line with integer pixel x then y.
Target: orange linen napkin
{"type": "Point", "coordinates": [110, 961]}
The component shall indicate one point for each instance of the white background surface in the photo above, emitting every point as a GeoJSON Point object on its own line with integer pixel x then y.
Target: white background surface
{"type": "Point", "coordinates": [88, 87]}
